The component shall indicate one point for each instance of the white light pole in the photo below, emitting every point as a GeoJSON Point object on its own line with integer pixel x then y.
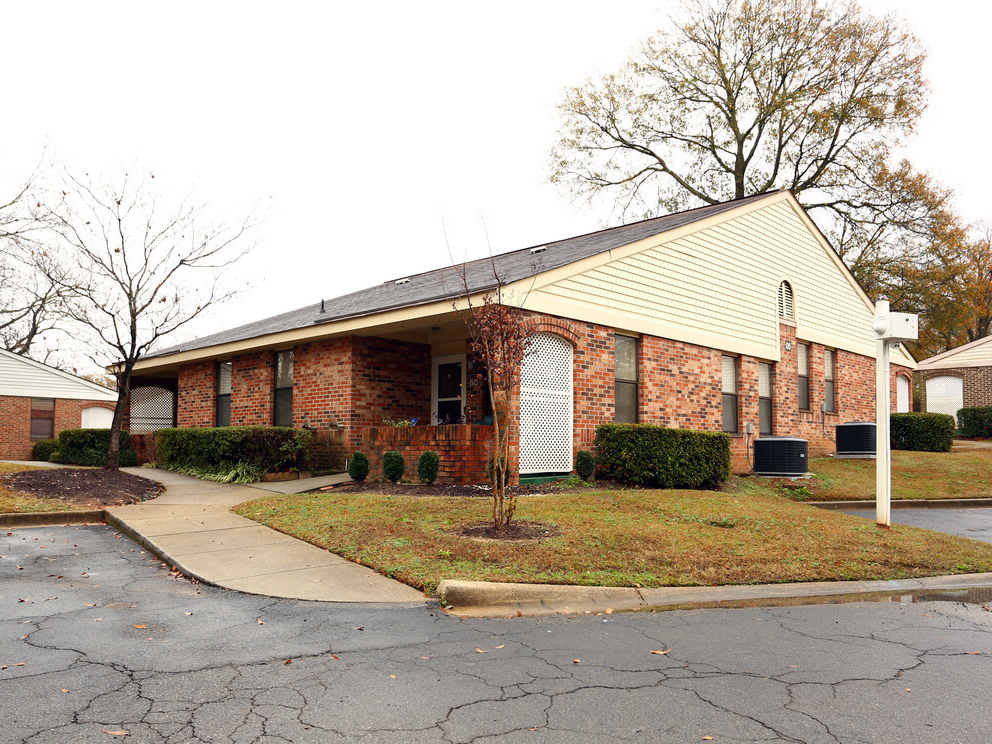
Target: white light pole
{"type": "Point", "coordinates": [889, 328]}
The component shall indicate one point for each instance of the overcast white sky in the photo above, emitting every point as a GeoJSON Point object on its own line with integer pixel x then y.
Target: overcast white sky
{"type": "Point", "coordinates": [357, 126]}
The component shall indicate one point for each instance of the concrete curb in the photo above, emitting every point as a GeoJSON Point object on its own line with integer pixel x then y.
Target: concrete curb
{"type": "Point", "coordinates": [485, 599]}
{"type": "Point", "coordinates": [41, 519]}
{"type": "Point", "coordinates": [906, 504]}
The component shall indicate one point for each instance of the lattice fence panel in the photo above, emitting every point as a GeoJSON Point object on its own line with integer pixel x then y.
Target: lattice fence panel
{"type": "Point", "coordinates": [151, 409]}
{"type": "Point", "coordinates": [546, 406]}
{"type": "Point", "coordinates": [945, 394]}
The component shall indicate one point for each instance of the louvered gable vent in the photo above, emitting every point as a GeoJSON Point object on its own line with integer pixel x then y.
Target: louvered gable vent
{"type": "Point", "coordinates": [785, 302]}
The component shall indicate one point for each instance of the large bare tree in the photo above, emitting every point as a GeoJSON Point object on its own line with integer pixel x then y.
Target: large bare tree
{"type": "Point", "coordinates": [31, 294]}
{"type": "Point", "coordinates": [141, 271]}
{"type": "Point", "coordinates": [738, 97]}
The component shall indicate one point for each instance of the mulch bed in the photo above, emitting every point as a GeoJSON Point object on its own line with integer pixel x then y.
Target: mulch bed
{"type": "Point", "coordinates": [83, 488]}
{"type": "Point", "coordinates": [523, 531]}
{"type": "Point", "coordinates": [419, 489]}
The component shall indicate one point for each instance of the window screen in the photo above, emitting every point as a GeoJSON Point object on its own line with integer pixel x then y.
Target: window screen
{"type": "Point", "coordinates": [764, 398]}
{"type": "Point", "coordinates": [625, 386]}
{"type": "Point", "coordinates": [829, 361]}
{"type": "Point", "coordinates": [224, 394]}
{"type": "Point", "coordinates": [803, 364]}
{"type": "Point", "coordinates": [42, 418]}
{"type": "Point", "coordinates": [728, 373]}
{"type": "Point", "coordinates": [283, 403]}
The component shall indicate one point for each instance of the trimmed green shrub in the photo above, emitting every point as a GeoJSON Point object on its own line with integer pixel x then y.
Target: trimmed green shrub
{"type": "Point", "coordinates": [358, 467]}
{"type": "Point", "coordinates": [975, 421]}
{"type": "Point", "coordinates": [43, 449]}
{"type": "Point", "coordinates": [584, 464]}
{"type": "Point", "coordinates": [922, 432]}
{"type": "Point", "coordinates": [648, 455]}
{"type": "Point", "coordinates": [427, 466]}
{"type": "Point", "coordinates": [89, 447]}
{"type": "Point", "coordinates": [393, 465]}
{"type": "Point", "coordinates": [266, 448]}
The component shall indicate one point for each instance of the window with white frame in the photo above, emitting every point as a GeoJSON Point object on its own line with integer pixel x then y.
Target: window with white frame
{"type": "Point", "coordinates": [625, 384]}
{"type": "Point", "coordinates": [764, 398]}
{"type": "Point", "coordinates": [829, 391]}
{"type": "Point", "coordinates": [223, 394]}
{"type": "Point", "coordinates": [282, 409]}
{"type": "Point", "coordinates": [802, 364]}
{"type": "Point", "coordinates": [729, 385]}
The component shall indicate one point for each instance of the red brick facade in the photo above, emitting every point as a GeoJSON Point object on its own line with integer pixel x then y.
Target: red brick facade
{"type": "Point", "coordinates": [15, 422]}
{"type": "Point", "coordinates": [344, 388]}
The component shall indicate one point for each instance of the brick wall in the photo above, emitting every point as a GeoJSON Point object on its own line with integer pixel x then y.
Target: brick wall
{"type": "Point", "coordinates": [197, 395]}
{"type": "Point", "coordinates": [15, 422]}
{"type": "Point", "coordinates": [976, 383]}
{"type": "Point", "coordinates": [464, 450]}
{"type": "Point", "coordinates": [348, 386]}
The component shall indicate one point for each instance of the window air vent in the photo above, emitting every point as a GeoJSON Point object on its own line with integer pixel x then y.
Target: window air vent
{"type": "Point", "coordinates": [539, 249]}
{"type": "Point", "coordinates": [402, 281]}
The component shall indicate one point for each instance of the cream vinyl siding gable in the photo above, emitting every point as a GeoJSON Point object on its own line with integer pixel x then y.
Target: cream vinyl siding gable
{"type": "Point", "coordinates": [975, 354]}
{"type": "Point", "coordinates": [24, 377]}
{"type": "Point", "coordinates": [717, 286]}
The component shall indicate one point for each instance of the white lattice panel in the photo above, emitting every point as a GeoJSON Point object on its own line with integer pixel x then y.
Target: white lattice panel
{"type": "Point", "coordinates": [945, 394]}
{"type": "Point", "coordinates": [546, 406]}
{"type": "Point", "coordinates": [151, 409]}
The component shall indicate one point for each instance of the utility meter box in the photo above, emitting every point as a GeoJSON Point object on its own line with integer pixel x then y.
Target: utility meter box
{"type": "Point", "coordinates": [897, 327]}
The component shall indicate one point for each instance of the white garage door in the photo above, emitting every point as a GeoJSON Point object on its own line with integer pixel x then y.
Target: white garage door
{"type": "Point", "coordinates": [902, 395]}
{"type": "Point", "coordinates": [546, 406]}
{"type": "Point", "coordinates": [945, 394]}
{"type": "Point", "coordinates": [97, 417]}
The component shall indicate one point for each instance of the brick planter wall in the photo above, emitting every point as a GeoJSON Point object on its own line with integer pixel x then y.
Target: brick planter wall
{"type": "Point", "coordinates": [464, 450]}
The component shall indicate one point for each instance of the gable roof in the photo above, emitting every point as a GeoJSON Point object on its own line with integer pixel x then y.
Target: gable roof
{"type": "Point", "coordinates": [447, 282]}
{"type": "Point", "coordinates": [23, 377]}
{"type": "Point", "coordinates": [975, 354]}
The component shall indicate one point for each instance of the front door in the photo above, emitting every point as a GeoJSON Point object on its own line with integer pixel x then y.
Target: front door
{"type": "Point", "coordinates": [546, 406]}
{"type": "Point", "coordinates": [448, 389]}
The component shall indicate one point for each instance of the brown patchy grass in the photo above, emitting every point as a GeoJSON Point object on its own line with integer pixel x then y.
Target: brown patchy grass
{"type": "Point", "coordinates": [15, 502]}
{"type": "Point", "coordinates": [915, 475]}
{"type": "Point", "coordinates": [746, 535]}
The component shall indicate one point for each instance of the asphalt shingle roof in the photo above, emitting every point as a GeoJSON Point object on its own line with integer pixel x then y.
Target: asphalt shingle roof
{"type": "Point", "coordinates": [446, 283]}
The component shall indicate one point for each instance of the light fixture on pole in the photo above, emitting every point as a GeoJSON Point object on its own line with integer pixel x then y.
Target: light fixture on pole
{"type": "Point", "coordinates": [890, 328]}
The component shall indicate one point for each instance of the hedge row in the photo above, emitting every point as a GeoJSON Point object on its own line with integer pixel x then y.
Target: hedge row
{"type": "Point", "coordinates": [268, 448]}
{"type": "Point", "coordinates": [975, 421]}
{"type": "Point", "coordinates": [649, 455]}
{"type": "Point", "coordinates": [88, 447]}
{"type": "Point", "coordinates": [922, 432]}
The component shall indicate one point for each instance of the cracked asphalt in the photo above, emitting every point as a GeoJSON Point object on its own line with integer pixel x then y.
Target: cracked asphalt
{"type": "Point", "coordinates": [99, 638]}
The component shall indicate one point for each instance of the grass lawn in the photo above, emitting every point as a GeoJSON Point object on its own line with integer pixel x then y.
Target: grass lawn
{"type": "Point", "coordinates": [915, 475]}
{"type": "Point", "coordinates": [744, 535]}
{"type": "Point", "coordinates": [12, 501]}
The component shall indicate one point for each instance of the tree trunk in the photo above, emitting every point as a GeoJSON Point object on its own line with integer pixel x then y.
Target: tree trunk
{"type": "Point", "coordinates": [123, 393]}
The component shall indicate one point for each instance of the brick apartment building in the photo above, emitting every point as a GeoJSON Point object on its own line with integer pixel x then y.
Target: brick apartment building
{"type": "Point", "coordinates": [957, 378]}
{"type": "Point", "coordinates": [38, 401]}
{"type": "Point", "coordinates": [736, 317]}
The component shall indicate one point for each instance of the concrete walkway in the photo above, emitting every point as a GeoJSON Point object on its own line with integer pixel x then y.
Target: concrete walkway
{"type": "Point", "coordinates": [191, 527]}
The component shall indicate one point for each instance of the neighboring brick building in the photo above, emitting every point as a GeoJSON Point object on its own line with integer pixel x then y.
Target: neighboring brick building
{"type": "Point", "coordinates": [957, 378]}
{"type": "Point", "coordinates": [737, 317]}
{"type": "Point", "coordinates": [38, 401]}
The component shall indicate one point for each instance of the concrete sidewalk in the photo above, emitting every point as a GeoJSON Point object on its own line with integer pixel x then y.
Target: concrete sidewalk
{"type": "Point", "coordinates": [191, 527]}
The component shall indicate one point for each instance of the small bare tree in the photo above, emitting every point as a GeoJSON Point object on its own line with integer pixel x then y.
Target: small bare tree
{"type": "Point", "coordinates": [500, 340]}
{"type": "Point", "coordinates": [134, 263]}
